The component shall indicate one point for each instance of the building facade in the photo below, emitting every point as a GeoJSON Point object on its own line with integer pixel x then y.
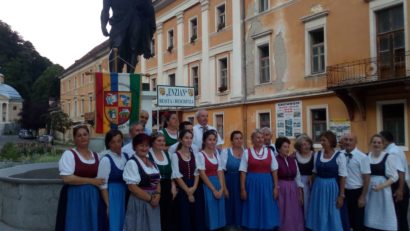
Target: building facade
{"type": "Point", "coordinates": [11, 105]}
{"type": "Point", "coordinates": [294, 66]}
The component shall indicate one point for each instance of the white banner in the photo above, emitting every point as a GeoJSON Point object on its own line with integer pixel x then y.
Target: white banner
{"type": "Point", "coordinates": [289, 119]}
{"type": "Point", "coordinates": [175, 96]}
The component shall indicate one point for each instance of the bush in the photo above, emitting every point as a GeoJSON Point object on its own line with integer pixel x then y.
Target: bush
{"type": "Point", "coordinates": [30, 152]}
{"type": "Point", "coordinates": [9, 152]}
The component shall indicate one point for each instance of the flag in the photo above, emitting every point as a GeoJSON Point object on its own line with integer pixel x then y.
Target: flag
{"type": "Point", "coordinates": [117, 97]}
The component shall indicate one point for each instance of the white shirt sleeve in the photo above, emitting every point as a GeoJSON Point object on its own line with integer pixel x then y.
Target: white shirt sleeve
{"type": "Point", "coordinates": [66, 165]}
{"type": "Point", "coordinates": [365, 165]}
{"type": "Point", "coordinates": [342, 164]}
{"type": "Point", "coordinates": [220, 140]}
{"type": "Point", "coordinates": [200, 161]}
{"type": "Point", "coordinates": [224, 158]}
{"type": "Point", "coordinates": [131, 174]}
{"type": "Point", "coordinates": [315, 155]}
{"type": "Point", "coordinates": [175, 166]}
{"type": "Point", "coordinates": [173, 148]}
{"type": "Point", "coordinates": [218, 158]}
{"type": "Point", "coordinates": [274, 165]}
{"type": "Point", "coordinates": [391, 168]}
{"type": "Point", "coordinates": [243, 166]}
{"type": "Point", "coordinates": [104, 169]}
{"type": "Point", "coordinates": [298, 178]}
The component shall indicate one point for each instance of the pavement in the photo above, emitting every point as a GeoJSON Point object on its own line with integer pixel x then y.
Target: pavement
{"type": "Point", "coordinates": [4, 227]}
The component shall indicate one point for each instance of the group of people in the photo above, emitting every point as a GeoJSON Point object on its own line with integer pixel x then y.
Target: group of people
{"type": "Point", "coordinates": [180, 178]}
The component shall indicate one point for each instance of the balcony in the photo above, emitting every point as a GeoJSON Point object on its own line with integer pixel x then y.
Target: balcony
{"type": "Point", "coordinates": [366, 72]}
{"type": "Point", "coordinates": [352, 82]}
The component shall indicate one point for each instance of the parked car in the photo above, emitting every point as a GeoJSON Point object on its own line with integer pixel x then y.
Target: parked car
{"type": "Point", "coordinates": [46, 139]}
{"type": "Point", "coordinates": [26, 134]}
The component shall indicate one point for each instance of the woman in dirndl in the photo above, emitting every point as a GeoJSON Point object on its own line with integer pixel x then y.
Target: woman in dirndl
{"type": "Point", "coordinates": [304, 156]}
{"type": "Point", "coordinates": [231, 159]}
{"type": "Point", "coordinates": [170, 129]}
{"type": "Point", "coordinates": [290, 188]}
{"type": "Point", "coordinates": [379, 212]}
{"type": "Point", "coordinates": [190, 198]}
{"type": "Point", "coordinates": [211, 173]}
{"type": "Point", "coordinates": [143, 179]}
{"type": "Point", "coordinates": [327, 195]}
{"type": "Point", "coordinates": [80, 205]}
{"type": "Point", "coordinates": [158, 153]}
{"type": "Point", "coordinates": [114, 191]}
{"type": "Point", "coordinates": [259, 186]}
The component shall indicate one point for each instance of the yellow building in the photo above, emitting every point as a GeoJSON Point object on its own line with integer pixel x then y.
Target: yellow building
{"type": "Point", "coordinates": [295, 66]}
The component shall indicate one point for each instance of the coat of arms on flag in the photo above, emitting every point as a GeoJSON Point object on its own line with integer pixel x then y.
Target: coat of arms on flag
{"type": "Point", "coordinates": [117, 100]}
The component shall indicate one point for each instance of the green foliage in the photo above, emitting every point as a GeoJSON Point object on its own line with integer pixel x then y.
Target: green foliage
{"type": "Point", "coordinates": [59, 120]}
{"type": "Point", "coordinates": [9, 152]}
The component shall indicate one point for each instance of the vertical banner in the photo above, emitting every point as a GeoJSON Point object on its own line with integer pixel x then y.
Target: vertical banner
{"type": "Point", "coordinates": [118, 100]}
{"type": "Point", "coordinates": [289, 119]}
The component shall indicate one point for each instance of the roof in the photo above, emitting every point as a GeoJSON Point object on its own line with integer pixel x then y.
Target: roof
{"type": "Point", "coordinates": [9, 92]}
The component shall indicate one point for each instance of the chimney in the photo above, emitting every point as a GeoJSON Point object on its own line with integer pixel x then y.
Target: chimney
{"type": "Point", "coordinates": [1, 78]}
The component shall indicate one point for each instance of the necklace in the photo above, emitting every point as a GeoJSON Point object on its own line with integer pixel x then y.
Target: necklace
{"type": "Point", "coordinates": [258, 153]}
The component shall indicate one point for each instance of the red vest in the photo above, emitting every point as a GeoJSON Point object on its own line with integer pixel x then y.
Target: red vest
{"type": "Point", "coordinates": [83, 169]}
{"type": "Point", "coordinates": [259, 166]}
{"type": "Point", "coordinates": [210, 168]}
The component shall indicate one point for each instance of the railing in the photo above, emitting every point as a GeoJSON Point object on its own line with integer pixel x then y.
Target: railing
{"type": "Point", "coordinates": [383, 68]}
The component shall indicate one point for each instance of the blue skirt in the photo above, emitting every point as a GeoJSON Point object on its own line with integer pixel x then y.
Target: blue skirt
{"type": "Point", "coordinates": [83, 208]}
{"type": "Point", "coordinates": [214, 208]}
{"type": "Point", "coordinates": [117, 198]}
{"type": "Point", "coordinates": [233, 204]}
{"type": "Point", "coordinates": [323, 214]}
{"type": "Point", "coordinates": [260, 210]}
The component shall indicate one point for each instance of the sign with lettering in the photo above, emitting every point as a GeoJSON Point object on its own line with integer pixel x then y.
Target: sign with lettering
{"type": "Point", "coordinates": [175, 96]}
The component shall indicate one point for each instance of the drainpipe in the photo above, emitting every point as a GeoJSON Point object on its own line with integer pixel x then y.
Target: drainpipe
{"type": "Point", "coordinates": [244, 84]}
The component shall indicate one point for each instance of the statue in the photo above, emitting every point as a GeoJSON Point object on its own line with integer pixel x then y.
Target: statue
{"type": "Point", "coordinates": [132, 28]}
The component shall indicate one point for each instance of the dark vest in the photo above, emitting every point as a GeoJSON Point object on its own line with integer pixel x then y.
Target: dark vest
{"type": "Point", "coordinates": [85, 170]}
{"type": "Point", "coordinates": [328, 169]}
{"type": "Point", "coordinates": [286, 171]}
{"type": "Point", "coordinates": [186, 168]}
{"type": "Point", "coordinates": [307, 168]}
{"type": "Point", "coordinates": [380, 168]}
{"type": "Point", "coordinates": [148, 181]}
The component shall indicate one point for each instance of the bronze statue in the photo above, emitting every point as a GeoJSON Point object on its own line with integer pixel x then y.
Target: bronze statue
{"type": "Point", "coordinates": [132, 28]}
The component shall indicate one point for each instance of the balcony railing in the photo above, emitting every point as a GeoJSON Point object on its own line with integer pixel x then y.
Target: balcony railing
{"type": "Point", "coordinates": [368, 71]}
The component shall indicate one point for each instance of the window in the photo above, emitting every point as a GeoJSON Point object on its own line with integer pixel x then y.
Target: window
{"type": "Point", "coordinates": [14, 108]}
{"type": "Point", "coordinates": [170, 40]}
{"type": "Point", "coordinates": [317, 51]}
{"type": "Point", "coordinates": [82, 107]}
{"type": "Point", "coordinates": [223, 74]}
{"type": "Point", "coordinates": [220, 17]}
{"type": "Point", "coordinates": [195, 79]}
{"type": "Point", "coordinates": [69, 109]}
{"type": "Point", "coordinates": [171, 79]}
{"type": "Point", "coordinates": [263, 5]}
{"type": "Point", "coordinates": [152, 47]}
{"type": "Point", "coordinates": [82, 79]}
{"type": "Point", "coordinates": [392, 116]}
{"type": "Point", "coordinates": [75, 108]}
{"type": "Point", "coordinates": [191, 119]}
{"type": "Point", "coordinates": [90, 103]}
{"type": "Point", "coordinates": [391, 41]}
{"type": "Point", "coordinates": [264, 119]}
{"type": "Point", "coordinates": [318, 123]}
{"type": "Point", "coordinates": [69, 85]}
{"type": "Point", "coordinates": [99, 68]}
{"type": "Point", "coordinates": [219, 120]}
{"type": "Point", "coordinates": [264, 73]}
{"type": "Point", "coordinates": [193, 25]}
{"type": "Point", "coordinates": [154, 84]}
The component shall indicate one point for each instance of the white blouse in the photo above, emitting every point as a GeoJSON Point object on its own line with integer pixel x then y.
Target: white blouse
{"type": "Point", "coordinates": [175, 166]}
{"type": "Point", "coordinates": [131, 174]}
{"type": "Point", "coordinates": [200, 160]}
{"type": "Point", "coordinates": [104, 168]}
{"type": "Point", "coordinates": [66, 165]}
{"type": "Point", "coordinates": [263, 154]}
{"type": "Point", "coordinates": [158, 162]}
{"type": "Point", "coordinates": [340, 161]}
{"type": "Point", "coordinates": [391, 164]}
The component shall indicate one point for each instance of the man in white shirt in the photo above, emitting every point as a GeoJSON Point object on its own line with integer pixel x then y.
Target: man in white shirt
{"type": "Point", "coordinates": [135, 129]}
{"type": "Point", "coordinates": [143, 118]}
{"type": "Point", "coordinates": [201, 127]}
{"type": "Point", "coordinates": [267, 139]}
{"type": "Point", "coordinates": [400, 188]}
{"type": "Point", "coordinates": [357, 182]}
{"type": "Point", "coordinates": [185, 125]}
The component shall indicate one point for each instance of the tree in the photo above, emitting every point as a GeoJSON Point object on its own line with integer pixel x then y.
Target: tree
{"type": "Point", "coordinates": [59, 121]}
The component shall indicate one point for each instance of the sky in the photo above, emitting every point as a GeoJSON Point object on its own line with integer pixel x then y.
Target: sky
{"type": "Point", "coordinates": [60, 30]}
